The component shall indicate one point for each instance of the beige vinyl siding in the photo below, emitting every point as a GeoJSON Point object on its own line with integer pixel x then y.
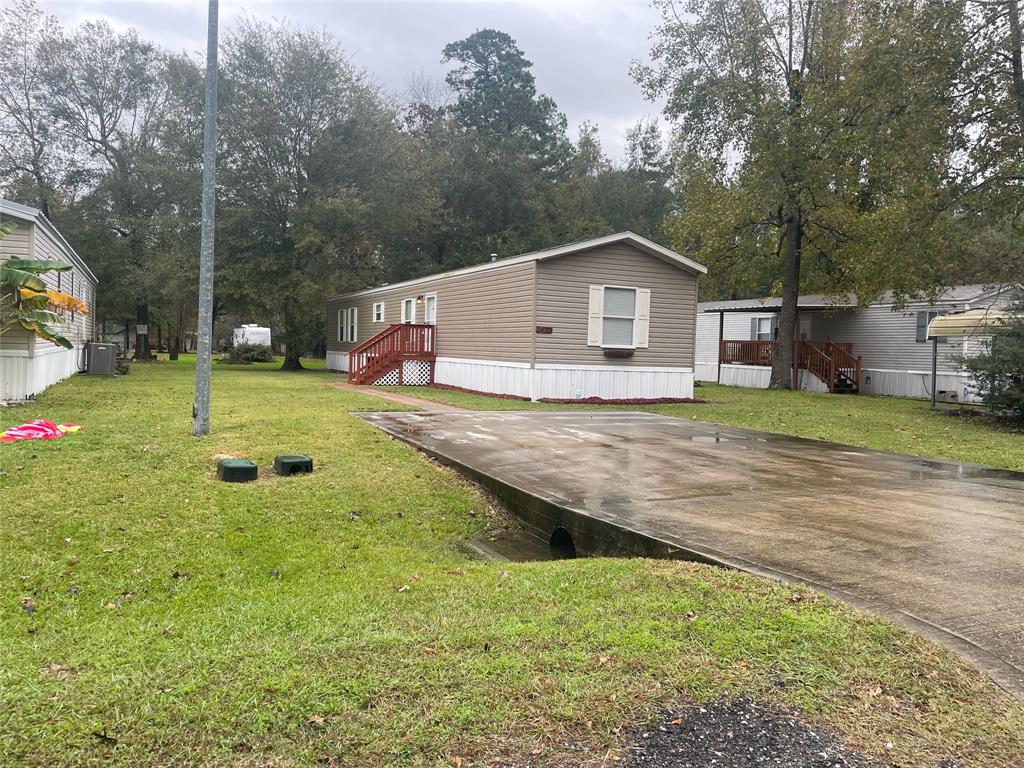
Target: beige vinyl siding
{"type": "Point", "coordinates": [563, 286]}
{"type": "Point", "coordinates": [485, 315]}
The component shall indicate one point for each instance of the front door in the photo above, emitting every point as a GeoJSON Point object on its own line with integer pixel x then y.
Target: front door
{"type": "Point", "coordinates": [430, 309]}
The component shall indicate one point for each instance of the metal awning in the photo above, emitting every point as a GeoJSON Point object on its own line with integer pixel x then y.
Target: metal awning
{"type": "Point", "coordinates": [974, 322]}
{"type": "Point", "coordinates": [771, 304]}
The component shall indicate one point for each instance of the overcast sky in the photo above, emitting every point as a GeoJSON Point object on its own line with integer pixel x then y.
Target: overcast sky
{"type": "Point", "coordinates": [581, 49]}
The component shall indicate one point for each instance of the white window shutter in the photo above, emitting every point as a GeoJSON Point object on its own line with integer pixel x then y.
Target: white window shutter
{"type": "Point", "coordinates": [341, 325]}
{"type": "Point", "coordinates": [594, 316]}
{"type": "Point", "coordinates": [643, 316]}
{"type": "Point", "coordinates": [355, 324]}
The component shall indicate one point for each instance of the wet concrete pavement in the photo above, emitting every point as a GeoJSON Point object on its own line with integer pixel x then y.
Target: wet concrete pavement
{"type": "Point", "coordinates": [934, 545]}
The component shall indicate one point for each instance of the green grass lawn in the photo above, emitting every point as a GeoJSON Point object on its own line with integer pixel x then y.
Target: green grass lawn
{"type": "Point", "coordinates": [152, 616]}
{"type": "Point", "coordinates": [884, 423]}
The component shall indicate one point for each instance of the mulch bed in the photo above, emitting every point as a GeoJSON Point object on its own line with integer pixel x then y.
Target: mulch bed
{"type": "Point", "coordinates": [452, 388]}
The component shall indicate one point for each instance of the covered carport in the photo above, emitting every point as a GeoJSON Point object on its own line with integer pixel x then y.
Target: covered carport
{"type": "Point", "coordinates": [975, 323]}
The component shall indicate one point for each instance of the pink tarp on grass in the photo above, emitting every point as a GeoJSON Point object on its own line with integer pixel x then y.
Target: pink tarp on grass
{"type": "Point", "coordinates": [37, 429]}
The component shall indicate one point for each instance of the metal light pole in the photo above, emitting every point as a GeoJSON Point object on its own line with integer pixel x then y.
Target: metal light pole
{"type": "Point", "coordinates": [204, 345]}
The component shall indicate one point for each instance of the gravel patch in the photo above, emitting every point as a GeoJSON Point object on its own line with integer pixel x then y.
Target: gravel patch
{"type": "Point", "coordinates": [737, 734]}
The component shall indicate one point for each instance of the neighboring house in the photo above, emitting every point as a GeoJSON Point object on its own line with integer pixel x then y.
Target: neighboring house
{"type": "Point", "coordinates": [611, 317]}
{"type": "Point", "coordinates": [875, 349]}
{"type": "Point", "coordinates": [29, 365]}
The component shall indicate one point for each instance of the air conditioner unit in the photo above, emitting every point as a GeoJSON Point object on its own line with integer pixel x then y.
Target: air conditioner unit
{"type": "Point", "coordinates": [100, 359]}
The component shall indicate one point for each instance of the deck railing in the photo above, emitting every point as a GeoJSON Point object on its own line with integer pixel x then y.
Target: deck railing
{"type": "Point", "coordinates": [830, 361]}
{"type": "Point", "coordinates": [747, 352]}
{"type": "Point", "coordinates": [387, 350]}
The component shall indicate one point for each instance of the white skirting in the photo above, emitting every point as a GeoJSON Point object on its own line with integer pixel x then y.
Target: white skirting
{"type": "Point", "coordinates": [23, 376]}
{"type": "Point", "coordinates": [951, 385]}
{"type": "Point", "coordinates": [706, 371]}
{"type": "Point", "coordinates": [337, 361]}
{"type": "Point", "coordinates": [756, 376]}
{"type": "Point", "coordinates": [564, 382]}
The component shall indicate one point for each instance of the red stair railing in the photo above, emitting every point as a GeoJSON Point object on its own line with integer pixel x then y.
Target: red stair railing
{"type": "Point", "coordinates": [387, 350]}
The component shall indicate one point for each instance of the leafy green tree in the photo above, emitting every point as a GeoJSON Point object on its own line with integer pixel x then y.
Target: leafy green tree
{"type": "Point", "coordinates": [31, 149]}
{"type": "Point", "coordinates": [992, 175]}
{"type": "Point", "coordinates": [108, 95]}
{"type": "Point", "coordinates": [815, 143]}
{"type": "Point", "coordinates": [316, 188]}
{"type": "Point", "coordinates": [507, 149]}
{"type": "Point", "coordinates": [998, 371]}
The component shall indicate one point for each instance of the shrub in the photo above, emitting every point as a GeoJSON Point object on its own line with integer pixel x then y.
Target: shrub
{"type": "Point", "coordinates": [998, 371]}
{"type": "Point", "coordinates": [252, 353]}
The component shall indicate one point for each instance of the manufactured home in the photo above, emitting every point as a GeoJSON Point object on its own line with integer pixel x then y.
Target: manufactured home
{"type": "Point", "coordinates": [29, 365]}
{"type": "Point", "coordinates": [613, 318]}
{"type": "Point", "coordinates": [878, 349]}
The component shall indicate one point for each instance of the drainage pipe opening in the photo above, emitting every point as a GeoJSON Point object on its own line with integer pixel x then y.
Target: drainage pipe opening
{"type": "Point", "coordinates": [562, 545]}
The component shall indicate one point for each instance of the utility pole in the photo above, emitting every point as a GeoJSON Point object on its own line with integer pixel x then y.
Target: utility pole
{"type": "Point", "coordinates": [204, 347]}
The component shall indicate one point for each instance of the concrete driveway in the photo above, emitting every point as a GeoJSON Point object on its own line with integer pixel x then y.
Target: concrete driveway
{"type": "Point", "coordinates": [934, 545]}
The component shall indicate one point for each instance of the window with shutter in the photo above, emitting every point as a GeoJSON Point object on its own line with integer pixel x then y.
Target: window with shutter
{"type": "Point", "coordinates": [619, 317]}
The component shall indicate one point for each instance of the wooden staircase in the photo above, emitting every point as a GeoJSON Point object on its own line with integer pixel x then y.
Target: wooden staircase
{"type": "Point", "coordinates": [387, 351]}
{"type": "Point", "coordinates": [833, 363]}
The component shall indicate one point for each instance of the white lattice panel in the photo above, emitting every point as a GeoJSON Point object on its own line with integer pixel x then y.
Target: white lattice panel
{"type": "Point", "coordinates": [415, 373]}
{"type": "Point", "coordinates": [389, 379]}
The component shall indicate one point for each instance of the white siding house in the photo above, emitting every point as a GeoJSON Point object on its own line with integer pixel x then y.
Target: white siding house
{"type": "Point", "coordinates": [29, 365]}
{"type": "Point", "coordinates": [891, 342]}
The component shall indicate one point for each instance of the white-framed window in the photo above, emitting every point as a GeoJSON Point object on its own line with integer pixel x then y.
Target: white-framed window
{"type": "Point", "coordinates": [408, 310]}
{"type": "Point", "coordinates": [430, 309]}
{"type": "Point", "coordinates": [619, 316]}
{"type": "Point", "coordinates": [378, 312]}
{"type": "Point", "coordinates": [763, 329]}
{"type": "Point", "coordinates": [348, 325]}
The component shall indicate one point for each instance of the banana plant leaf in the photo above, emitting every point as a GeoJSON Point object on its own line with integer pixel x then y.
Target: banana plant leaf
{"type": "Point", "coordinates": [38, 265]}
{"type": "Point", "coordinates": [40, 316]}
{"type": "Point", "coordinates": [18, 278]}
{"type": "Point", "coordinates": [45, 333]}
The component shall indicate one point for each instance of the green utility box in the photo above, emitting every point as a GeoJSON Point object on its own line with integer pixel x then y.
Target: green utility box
{"type": "Point", "coordinates": [236, 470]}
{"type": "Point", "coordinates": [293, 465]}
